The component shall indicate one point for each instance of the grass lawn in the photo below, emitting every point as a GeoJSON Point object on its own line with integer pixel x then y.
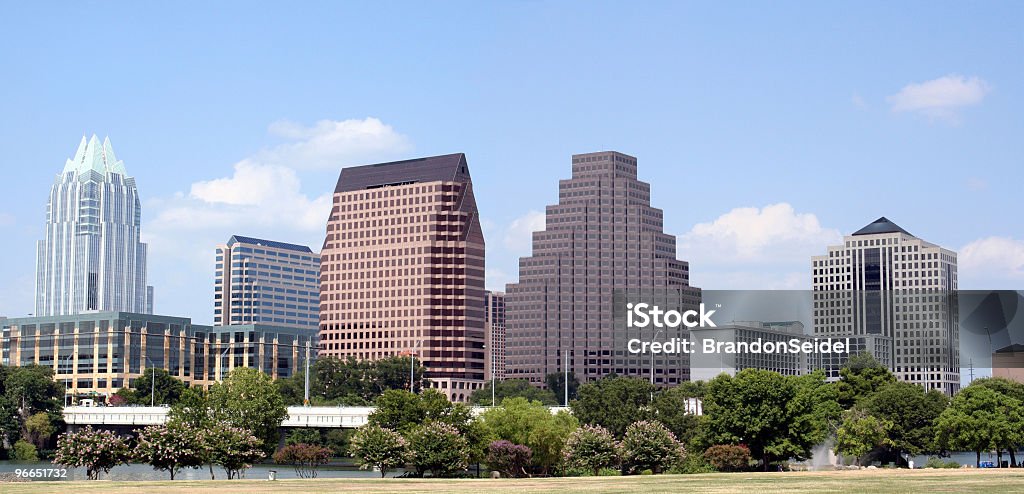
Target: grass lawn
{"type": "Point", "coordinates": [861, 481]}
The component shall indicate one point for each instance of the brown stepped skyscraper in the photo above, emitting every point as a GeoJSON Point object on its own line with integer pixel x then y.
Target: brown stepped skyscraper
{"type": "Point", "coordinates": [602, 236]}
{"type": "Point", "coordinates": [402, 270]}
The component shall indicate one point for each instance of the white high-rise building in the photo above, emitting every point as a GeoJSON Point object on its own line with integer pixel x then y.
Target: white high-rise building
{"type": "Point", "coordinates": [91, 258]}
{"type": "Point", "coordinates": [887, 285]}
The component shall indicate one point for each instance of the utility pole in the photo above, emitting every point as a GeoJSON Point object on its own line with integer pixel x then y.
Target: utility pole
{"type": "Point", "coordinates": [305, 400]}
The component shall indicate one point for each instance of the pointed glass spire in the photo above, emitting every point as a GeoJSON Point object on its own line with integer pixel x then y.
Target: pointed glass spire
{"type": "Point", "coordinates": [93, 156]}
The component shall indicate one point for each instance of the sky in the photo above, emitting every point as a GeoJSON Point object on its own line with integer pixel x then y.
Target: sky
{"type": "Point", "coordinates": [767, 130]}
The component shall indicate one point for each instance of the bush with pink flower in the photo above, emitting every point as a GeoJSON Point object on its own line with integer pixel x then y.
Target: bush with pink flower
{"type": "Point", "coordinates": [96, 450]}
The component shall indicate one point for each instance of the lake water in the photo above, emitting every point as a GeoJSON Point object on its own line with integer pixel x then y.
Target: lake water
{"type": "Point", "coordinates": [138, 471]}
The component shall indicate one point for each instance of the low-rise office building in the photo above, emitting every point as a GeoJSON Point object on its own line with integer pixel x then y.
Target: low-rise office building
{"type": "Point", "coordinates": [98, 353]}
{"type": "Point", "coordinates": [705, 366]}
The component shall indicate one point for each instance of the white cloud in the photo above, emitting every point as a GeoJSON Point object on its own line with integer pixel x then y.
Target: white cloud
{"type": "Point", "coordinates": [332, 144]}
{"type": "Point", "coordinates": [940, 98]}
{"type": "Point", "coordinates": [991, 263]}
{"type": "Point", "coordinates": [262, 196]}
{"type": "Point", "coordinates": [754, 248]}
{"type": "Point", "coordinates": [251, 184]}
{"type": "Point", "coordinates": [519, 234]}
{"type": "Point", "coordinates": [773, 232]}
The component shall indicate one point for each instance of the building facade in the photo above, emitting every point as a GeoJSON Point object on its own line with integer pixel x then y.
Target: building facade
{"type": "Point", "coordinates": [92, 257]}
{"type": "Point", "coordinates": [494, 325]}
{"type": "Point", "coordinates": [602, 237]}
{"type": "Point", "coordinates": [705, 366]}
{"type": "Point", "coordinates": [1008, 362]}
{"type": "Point", "coordinates": [402, 270]}
{"type": "Point", "coordinates": [886, 283]}
{"type": "Point", "coordinates": [260, 281]}
{"type": "Point", "coordinates": [95, 354]}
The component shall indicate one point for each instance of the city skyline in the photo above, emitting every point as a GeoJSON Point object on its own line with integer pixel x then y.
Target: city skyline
{"type": "Point", "coordinates": [760, 129]}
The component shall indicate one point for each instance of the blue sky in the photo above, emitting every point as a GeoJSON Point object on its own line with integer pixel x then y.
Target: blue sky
{"type": "Point", "coordinates": [767, 131]}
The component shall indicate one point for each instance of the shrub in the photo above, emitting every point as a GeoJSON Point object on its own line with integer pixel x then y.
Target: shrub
{"type": "Point", "coordinates": [591, 448]}
{"type": "Point", "coordinates": [171, 447]}
{"type": "Point", "coordinates": [438, 448]}
{"type": "Point", "coordinates": [25, 451]}
{"type": "Point", "coordinates": [648, 445]}
{"type": "Point", "coordinates": [609, 472]}
{"type": "Point", "coordinates": [97, 451]}
{"type": "Point", "coordinates": [728, 458]}
{"type": "Point", "coordinates": [508, 458]}
{"type": "Point", "coordinates": [934, 462]}
{"type": "Point", "coordinates": [692, 463]}
{"type": "Point", "coordinates": [305, 458]}
{"type": "Point", "coordinates": [376, 447]}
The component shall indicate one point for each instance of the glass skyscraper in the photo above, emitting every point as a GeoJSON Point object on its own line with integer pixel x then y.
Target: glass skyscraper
{"type": "Point", "coordinates": [92, 258]}
{"type": "Point", "coordinates": [261, 281]}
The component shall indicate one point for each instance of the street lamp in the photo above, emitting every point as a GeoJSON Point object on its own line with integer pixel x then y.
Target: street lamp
{"type": "Point", "coordinates": [65, 381]}
{"type": "Point", "coordinates": [412, 367]}
{"type": "Point", "coordinates": [152, 385]}
{"type": "Point", "coordinates": [655, 338]}
{"type": "Point", "coordinates": [220, 373]}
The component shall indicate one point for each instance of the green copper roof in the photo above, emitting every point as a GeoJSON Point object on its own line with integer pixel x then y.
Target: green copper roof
{"type": "Point", "coordinates": [91, 155]}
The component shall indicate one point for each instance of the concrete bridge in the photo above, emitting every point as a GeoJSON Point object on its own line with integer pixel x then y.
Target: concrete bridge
{"type": "Point", "coordinates": [132, 417]}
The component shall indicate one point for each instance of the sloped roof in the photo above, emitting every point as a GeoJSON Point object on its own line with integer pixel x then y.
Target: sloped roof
{"type": "Point", "coordinates": [881, 225]}
{"type": "Point", "coordinates": [268, 243]}
{"type": "Point", "coordinates": [448, 168]}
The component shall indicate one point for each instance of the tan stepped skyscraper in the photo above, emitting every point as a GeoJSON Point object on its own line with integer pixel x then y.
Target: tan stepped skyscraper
{"type": "Point", "coordinates": [602, 237]}
{"type": "Point", "coordinates": [402, 270]}
{"type": "Point", "coordinates": [894, 295]}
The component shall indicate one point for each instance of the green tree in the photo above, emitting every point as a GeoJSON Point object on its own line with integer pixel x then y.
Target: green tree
{"type": "Point", "coordinates": [912, 412]}
{"type": "Point", "coordinates": [350, 382]}
{"type": "Point", "coordinates": [555, 382]}
{"type": "Point", "coordinates": [248, 399]}
{"type": "Point", "coordinates": [673, 408]}
{"type": "Point", "coordinates": [980, 419]}
{"type": "Point", "coordinates": [438, 448]}
{"type": "Point", "coordinates": [592, 447]}
{"type": "Point", "coordinates": [860, 377]}
{"type": "Point", "coordinates": [860, 433]}
{"type": "Point", "coordinates": [305, 435]}
{"type": "Point", "coordinates": [777, 417]}
{"type": "Point", "coordinates": [531, 424]}
{"type": "Point", "coordinates": [648, 445]}
{"type": "Point", "coordinates": [1012, 389]}
{"type": "Point", "coordinates": [39, 427]}
{"type": "Point", "coordinates": [403, 411]}
{"type": "Point", "coordinates": [379, 448]}
{"type": "Point", "coordinates": [24, 392]}
{"type": "Point", "coordinates": [171, 447]}
{"type": "Point", "coordinates": [193, 409]}
{"type": "Point", "coordinates": [96, 450]}
{"type": "Point", "coordinates": [512, 388]}
{"type": "Point", "coordinates": [164, 388]}
{"type": "Point", "coordinates": [613, 403]}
